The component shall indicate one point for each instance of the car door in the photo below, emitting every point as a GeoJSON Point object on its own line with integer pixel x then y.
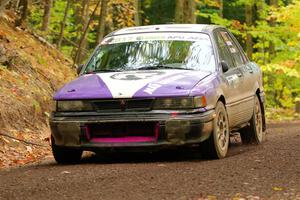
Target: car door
{"type": "Point", "coordinates": [249, 79]}
{"type": "Point", "coordinates": [236, 90]}
{"type": "Point", "coordinates": [248, 70]}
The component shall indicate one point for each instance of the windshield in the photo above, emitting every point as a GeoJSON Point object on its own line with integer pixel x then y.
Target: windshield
{"type": "Point", "coordinates": [190, 51]}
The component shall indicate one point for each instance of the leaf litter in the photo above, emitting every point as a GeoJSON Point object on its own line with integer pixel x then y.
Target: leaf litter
{"type": "Point", "coordinates": [26, 89]}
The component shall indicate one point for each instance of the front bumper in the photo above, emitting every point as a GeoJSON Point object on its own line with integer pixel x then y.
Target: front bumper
{"type": "Point", "coordinates": [69, 130]}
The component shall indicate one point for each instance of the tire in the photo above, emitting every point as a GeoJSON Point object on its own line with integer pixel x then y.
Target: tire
{"type": "Point", "coordinates": [64, 155]}
{"type": "Point", "coordinates": [253, 133]}
{"type": "Point", "coordinates": [216, 146]}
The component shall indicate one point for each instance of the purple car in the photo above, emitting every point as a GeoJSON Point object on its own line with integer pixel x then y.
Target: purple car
{"type": "Point", "coordinates": [153, 87]}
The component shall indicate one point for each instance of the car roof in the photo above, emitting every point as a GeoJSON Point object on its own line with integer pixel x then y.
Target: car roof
{"type": "Point", "coordinates": [166, 28]}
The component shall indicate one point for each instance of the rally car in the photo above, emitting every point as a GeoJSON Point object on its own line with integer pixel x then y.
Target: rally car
{"type": "Point", "coordinates": [153, 87]}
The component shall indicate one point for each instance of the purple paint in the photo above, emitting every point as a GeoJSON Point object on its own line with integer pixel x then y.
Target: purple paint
{"type": "Point", "coordinates": [91, 86]}
{"type": "Point", "coordinates": [85, 87]}
{"type": "Point", "coordinates": [207, 86]}
{"type": "Point", "coordinates": [178, 87]}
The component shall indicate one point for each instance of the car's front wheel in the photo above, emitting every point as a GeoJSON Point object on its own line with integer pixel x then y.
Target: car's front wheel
{"type": "Point", "coordinates": [254, 133]}
{"type": "Point", "coordinates": [216, 146]}
{"type": "Point", "coordinates": [64, 155]}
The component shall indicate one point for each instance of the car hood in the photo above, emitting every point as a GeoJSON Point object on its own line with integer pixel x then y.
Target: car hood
{"type": "Point", "coordinates": [132, 84]}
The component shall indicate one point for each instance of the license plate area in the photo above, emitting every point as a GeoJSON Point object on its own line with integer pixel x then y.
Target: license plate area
{"type": "Point", "coordinates": [122, 132]}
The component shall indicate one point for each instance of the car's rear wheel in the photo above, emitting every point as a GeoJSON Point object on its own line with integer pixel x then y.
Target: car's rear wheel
{"type": "Point", "coordinates": [64, 155]}
{"type": "Point", "coordinates": [216, 146]}
{"type": "Point", "coordinates": [254, 133]}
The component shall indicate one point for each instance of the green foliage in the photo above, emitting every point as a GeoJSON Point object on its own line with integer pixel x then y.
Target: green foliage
{"type": "Point", "coordinates": [35, 18]}
{"type": "Point", "coordinates": [159, 11]}
{"type": "Point", "coordinates": [283, 73]}
{"type": "Point", "coordinates": [280, 114]}
{"type": "Point", "coordinates": [281, 83]}
{"type": "Point", "coordinates": [272, 26]}
{"type": "Point", "coordinates": [40, 59]}
{"type": "Point", "coordinates": [282, 69]}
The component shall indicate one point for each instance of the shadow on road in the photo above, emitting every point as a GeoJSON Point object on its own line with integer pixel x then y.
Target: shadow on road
{"type": "Point", "coordinates": [182, 154]}
{"type": "Point", "coordinates": [191, 154]}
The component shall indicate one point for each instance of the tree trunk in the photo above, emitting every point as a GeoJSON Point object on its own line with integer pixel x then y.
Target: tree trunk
{"type": "Point", "coordinates": [249, 22]}
{"type": "Point", "coordinates": [179, 11]}
{"type": "Point", "coordinates": [78, 23]}
{"type": "Point", "coordinates": [17, 3]}
{"type": "Point", "coordinates": [47, 14]}
{"type": "Point", "coordinates": [3, 3]}
{"type": "Point", "coordinates": [13, 4]}
{"type": "Point", "coordinates": [83, 37]}
{"type": "Point", "coordinates": [190, 17]}
{"type": "Point", "coordinates": [63, 24]}
{"type": "Point", "coordinates": [83, 40]}
{"type": "Point", "coordinates": [221, 8]}
{"type": "Point", "coordinates": [261, 16]}
{"type": "Point", "coordinates": [297, 106]}
{"type": "Point", "coordinates": [23, 16]}
{"type": "Point", "coordinates": [185, 11]}
{"type": "Point", "coordinates": [101, 24]}
{"type": "Point", "coordinates": [274, 4]}
{"type": "Point", "coordinates": [260, 4]}
{"type": "Point", "coordinates": [137, 14]}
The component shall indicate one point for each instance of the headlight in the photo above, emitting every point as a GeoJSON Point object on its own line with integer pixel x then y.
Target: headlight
{"type": "Point", "coordinates": [74, 106]}
{"type": "Point", "coordinates": [200, 101]}
{"type": "Point", "coordinates": [180, 103]}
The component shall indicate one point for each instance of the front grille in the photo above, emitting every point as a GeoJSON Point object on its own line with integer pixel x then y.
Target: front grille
{"type": "Point", "coordinates": [123, 105]}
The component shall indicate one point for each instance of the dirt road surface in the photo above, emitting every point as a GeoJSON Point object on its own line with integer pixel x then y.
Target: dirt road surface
{"type": "Point", "coordinates": [268, 171]}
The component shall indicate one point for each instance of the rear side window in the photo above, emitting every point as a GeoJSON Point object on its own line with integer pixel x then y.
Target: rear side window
{"type": "Point", "coordinates": [223, 51]}
{"type": "Point", "coordinates": [234, 50]}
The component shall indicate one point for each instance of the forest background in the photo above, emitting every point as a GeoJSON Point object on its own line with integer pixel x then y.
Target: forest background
{"type": "Point", "coordinates": [269, 31]}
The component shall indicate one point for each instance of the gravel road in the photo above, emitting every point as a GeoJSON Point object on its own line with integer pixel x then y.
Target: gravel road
{"type": "Point", "coordinates": [267, 171]}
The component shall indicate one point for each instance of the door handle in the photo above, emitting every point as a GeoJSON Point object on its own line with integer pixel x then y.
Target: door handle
{"type": "Point", "coordinates": [250, 70]}
{"type": "Point", "coordinates": [239, 74]}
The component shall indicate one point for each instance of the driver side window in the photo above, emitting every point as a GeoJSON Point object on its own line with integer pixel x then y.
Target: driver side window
{"type": "Point", "coordinates": [224, 53]}
{"type": "Point", "coordinates": [234, 50]}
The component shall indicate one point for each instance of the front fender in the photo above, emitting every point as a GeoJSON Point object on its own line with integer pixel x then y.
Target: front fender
{"type": "Point", "coordinates": [210, 87]}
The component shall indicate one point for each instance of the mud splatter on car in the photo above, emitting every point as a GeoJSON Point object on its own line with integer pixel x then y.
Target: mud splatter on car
{"type": "Point", "coordinates": [156, 87]}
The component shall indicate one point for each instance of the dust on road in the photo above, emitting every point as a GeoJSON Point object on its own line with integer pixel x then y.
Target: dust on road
{"type": "Point", "coordinates": [268, 171]}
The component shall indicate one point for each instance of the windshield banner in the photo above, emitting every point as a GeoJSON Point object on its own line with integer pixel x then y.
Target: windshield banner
{"type": "Point", "coordinates": [155, 37]}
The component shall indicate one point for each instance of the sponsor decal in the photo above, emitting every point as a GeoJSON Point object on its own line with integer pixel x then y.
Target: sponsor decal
{"type": "Point", "coordinates": [232, 50]}
{"type": "Point", "coordinates": [130, 76]}
{"type": "Point", "coordinates": [233, 80]}
{"type": "Point", "coordinates": [126, 84]}
{"type": "Point", "coordinates": [155, 37]}
{"type": "Point", "coordinates": [152, 87]}
{"type": "Point", "coordinates": [229, 43]}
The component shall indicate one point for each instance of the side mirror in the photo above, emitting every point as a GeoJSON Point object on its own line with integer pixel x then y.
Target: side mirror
{"type": "Point", "coordinates": [79, 68]}
{"type": "Point", "coordinates": [225, 66]}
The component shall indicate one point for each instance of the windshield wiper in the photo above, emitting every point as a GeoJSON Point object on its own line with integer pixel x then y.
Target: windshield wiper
{"type": "Point", "coordinates": [105, 70]}
{"type": "Point", "coordinates": [160, 67]}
